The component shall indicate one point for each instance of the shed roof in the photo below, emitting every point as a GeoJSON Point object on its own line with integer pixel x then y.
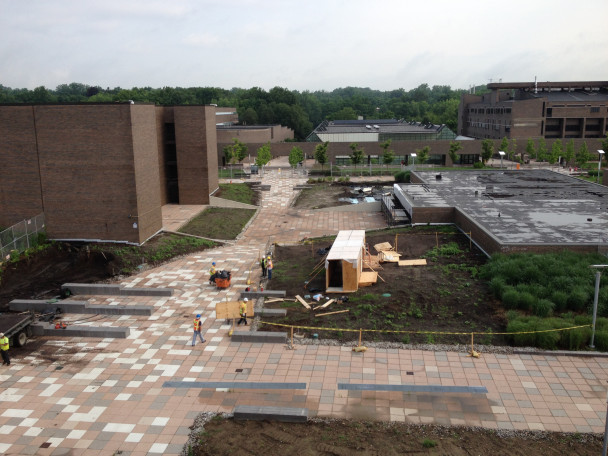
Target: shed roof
{"type": "Point", "coordinates": [347, 246]}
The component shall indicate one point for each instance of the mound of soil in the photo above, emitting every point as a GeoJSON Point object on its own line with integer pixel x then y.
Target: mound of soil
{"type": "Point", "coordinates": [444, 296]}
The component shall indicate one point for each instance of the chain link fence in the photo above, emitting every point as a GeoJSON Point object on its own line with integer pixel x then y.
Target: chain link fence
{"type": "Point", "coordinates": [21, 236]}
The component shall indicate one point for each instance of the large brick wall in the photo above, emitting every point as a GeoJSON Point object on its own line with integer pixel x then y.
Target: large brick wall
{"type": "Point", "coordinates": [147, 175]}
{"type": "Point", "coordinates": [20, 196]}
{"type": "Point", "coordinates": [196, 143]}
{"type": "Point", "coordinates": [87, 171]}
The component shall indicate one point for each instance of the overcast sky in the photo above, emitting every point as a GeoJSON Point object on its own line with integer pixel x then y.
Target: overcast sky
{"type": "Point", "coordinates": [300, 45]}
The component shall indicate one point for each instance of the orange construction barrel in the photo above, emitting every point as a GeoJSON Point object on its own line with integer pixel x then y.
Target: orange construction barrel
{"type": "Point", "coordinates": [518, 166]}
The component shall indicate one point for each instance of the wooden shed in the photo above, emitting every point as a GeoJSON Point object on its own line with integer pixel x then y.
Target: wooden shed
{"type": "Point", "coordinates": [344, 262]}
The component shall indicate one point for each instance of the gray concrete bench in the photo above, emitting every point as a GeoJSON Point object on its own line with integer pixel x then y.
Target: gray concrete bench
{"type": "Point", "coordinates": [77, 307]}
{"type": "Point", "coordinates": [265, 337]}
{"type": "Point", "coordinates": [271, 312]}
{"type": "Point", "coordinates": [259, 413]}
{"type": "Point", "coordinates": [263, 294]}
{"type": "Point", "coordinates": [68, 289]}
{"type": "Point", "coordinates": [81, 331]}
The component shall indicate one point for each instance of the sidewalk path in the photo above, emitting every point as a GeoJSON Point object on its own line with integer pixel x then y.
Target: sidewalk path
{"type": "Point", "coordinates": [96, 397]}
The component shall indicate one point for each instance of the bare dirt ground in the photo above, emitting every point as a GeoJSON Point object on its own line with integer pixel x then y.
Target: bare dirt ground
{"type": "Point", "coordinates": [353, 438]}
{"type": "Point", "coordinates": [444, 296]}
{"type": "Point", "coordinates": [322, 195]}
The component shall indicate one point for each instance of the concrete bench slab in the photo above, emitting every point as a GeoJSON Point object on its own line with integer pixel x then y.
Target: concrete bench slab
{"type": "Point", "coordinates": [81, 331]}
{"type": "Point", "coordinates": [259, 413]}
{"type": "Point", "coordinates": [271, 312]}
{"type": "Point", "coordinates": [111, 289]}
{"type": "Point", "coordinates": [263, 294]}
{"type": "Point", "coordinates": [265, 337]}
{"type": "Point", "coordinates": [78, 307]}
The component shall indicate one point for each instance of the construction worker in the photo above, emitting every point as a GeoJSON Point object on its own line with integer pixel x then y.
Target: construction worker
{"type": "Point", "coordinates": [263, 265]}
{"type": "Point", "coordinates": [197, 330]}
{"type": "Point", "coordinates": [243, 312]}
{"type": "Point", "coordinates": [212, 273]}
{"type": "Point", "coordinates": [4, 350]}
{"type": "Point", "coordinates": [269, 267]}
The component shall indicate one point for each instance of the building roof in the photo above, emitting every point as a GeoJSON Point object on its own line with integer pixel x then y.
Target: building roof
{"type": "Point", "coordinates": [376, 126]}
{"type": "Point", "coordinates": [519, 206]}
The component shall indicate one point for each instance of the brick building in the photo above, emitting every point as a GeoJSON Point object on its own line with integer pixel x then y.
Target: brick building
{"type": "Point", "coordinates": [102, 172]}
{"type": "Point", "coordinates": [533, 110]}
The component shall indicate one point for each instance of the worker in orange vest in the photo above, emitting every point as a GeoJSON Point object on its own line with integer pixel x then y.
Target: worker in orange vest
{"type": "Point", "coordinates": [197, 330]}
{"type": "Point", "coordinates": [243, 312]}
{"type": "Point", "coordinates": [4, 350]}
{"type": "Point", "coordinates": [269, 267]}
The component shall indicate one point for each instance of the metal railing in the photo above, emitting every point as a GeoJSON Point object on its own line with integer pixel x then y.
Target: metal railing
{"type": "Point", "coordinates": [21, 236]}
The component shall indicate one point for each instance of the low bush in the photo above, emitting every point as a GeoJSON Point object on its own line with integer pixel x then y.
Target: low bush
{"type": "Point", "coordinates": [402, 177]}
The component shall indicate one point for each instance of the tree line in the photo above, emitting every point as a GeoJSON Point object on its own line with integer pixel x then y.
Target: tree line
{"type": "Point", "coordinates": [300, 111]}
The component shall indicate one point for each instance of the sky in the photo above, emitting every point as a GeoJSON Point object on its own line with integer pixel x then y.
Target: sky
{"type": "Point", "coordinates": [300, 45]}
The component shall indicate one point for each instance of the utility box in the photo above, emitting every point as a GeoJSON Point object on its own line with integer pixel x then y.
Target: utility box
{"type": "Point", "coordinates": [344, 262]}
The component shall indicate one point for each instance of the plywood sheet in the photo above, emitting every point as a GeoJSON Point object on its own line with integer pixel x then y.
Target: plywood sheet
{"type": "Point", "coordinates": [388, 257]}
{"type": "Point", "coordinates": [368, 278]}
{"type": "Point", "coordinates": [226, 310]}
{"type": "Point", "coordinates": [383, 246]}
{"type": "Point", "coordinates": [421, 262]}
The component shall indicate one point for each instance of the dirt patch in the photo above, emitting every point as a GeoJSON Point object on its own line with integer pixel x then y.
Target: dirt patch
{"type": "Point", "coordinates": [352, 438]}
{"type": "Point", "coordinates": [323, 195]}
{"type": "Point", "coordinates": [444, 296]}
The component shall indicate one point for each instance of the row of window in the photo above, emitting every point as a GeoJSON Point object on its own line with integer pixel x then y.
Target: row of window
{"type": "Point", "coordinates": [489, 110]}
{"type": "Point", "coordinates": [488, 124]}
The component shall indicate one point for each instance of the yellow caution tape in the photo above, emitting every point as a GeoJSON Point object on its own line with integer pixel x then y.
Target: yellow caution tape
{"type": "Point", "coordinates": [317, 328]}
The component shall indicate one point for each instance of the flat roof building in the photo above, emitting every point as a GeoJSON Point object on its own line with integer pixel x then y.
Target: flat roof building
{"type": "Point", "coordinates": [512, 211]}
{"type": "Point", "coordinates": [378, 130]}
{"type": "Point", "coordinates": [576, 109]}
{"type": "Point", "coordinates": [102, 172]}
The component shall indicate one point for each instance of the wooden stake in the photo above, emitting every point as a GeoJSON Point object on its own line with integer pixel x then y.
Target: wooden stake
{"type": "Point", "coordinates": [472, 345]}
{"type": "Point", "coordinates": [470, 240]}
{"type": "Point", "coordinates": [292, 336]}
{"type": "Point", "coordinates": [331, 313]}
{"type": "Point", "coordinates": [437, 239]}
{"type": "Point", "coordinates": [360, 331]}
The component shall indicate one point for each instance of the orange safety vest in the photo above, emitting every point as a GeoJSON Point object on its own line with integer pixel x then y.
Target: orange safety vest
{"type": "Point", "coordinates": [197, 325]}
{"type": "Point", "coordinates": [4, 343]}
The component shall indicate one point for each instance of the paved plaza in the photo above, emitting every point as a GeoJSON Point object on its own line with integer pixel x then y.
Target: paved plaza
{"type": "Point", "coordinates": [140, 395]}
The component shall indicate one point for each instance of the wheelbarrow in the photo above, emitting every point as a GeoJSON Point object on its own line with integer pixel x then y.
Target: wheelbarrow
{"type": "Point", "coordinates": [223, 279]}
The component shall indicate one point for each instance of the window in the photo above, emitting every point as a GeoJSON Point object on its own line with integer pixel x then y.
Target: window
{"type": "Point", "coordinates": [595, 109]}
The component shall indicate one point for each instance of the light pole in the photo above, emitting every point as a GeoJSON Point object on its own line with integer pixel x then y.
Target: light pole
{"type": "Point", "coordinates": [599, 164]}
{"type": "Point", "coordinates": [598, 274]}
{"type": "Point", "coordinates": [502, 154]}
{"type": "Point", "coordinates": [413, 160]}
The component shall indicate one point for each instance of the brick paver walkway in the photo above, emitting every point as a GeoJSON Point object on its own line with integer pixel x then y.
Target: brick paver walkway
{"type": "Point", "coordinates": [95, 397]}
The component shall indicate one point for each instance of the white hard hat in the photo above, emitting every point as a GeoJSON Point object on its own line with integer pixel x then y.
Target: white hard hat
{"type": "Point", "coordinates": [245, 299]}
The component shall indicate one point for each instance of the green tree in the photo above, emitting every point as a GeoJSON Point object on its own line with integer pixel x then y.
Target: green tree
{"type": "Point", "coordinates": [512, 149]}
{"type": "Point", "coordinates": [296, 155]}
{"type": "Point", "coordinates": [504, 145]}
{"type": "Point", "coordinates": [455, 146]}
{"type": "Point", "coordinates": [583, 155]}
{"type": "Point", "coordinates": [263, 155]}
{"type": "Point", "coordinates": [541, 151]}
{"type": "Point", "coordinates": [321, 153]}
{"type": "Point", "coordinates": [235, 152]}
{"type": "Point", "coordinates": [569, 154]}
{"type": "Point", "coordinates": [249, 117]}
{"type": "Point", "coordinates": [556, 151]}
{"type": "Point", "coordinates": [605, 144]}
{"type": "Point", "coordinates": [487, 150]}
{"type": "Point", "coordinates": [423, 154]}
{"type": "Point", "coordinates": [357, 156]}
{"type": "Point", "coordinates": [531, 149]}
{"type": "Point", "coordinates": [389, 154]}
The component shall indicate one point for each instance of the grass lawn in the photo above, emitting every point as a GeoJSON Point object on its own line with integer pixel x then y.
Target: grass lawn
{"type": "Point", "coordinates": [219, 223]}
{"type": "Point", "coordinates": [237, 192]}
